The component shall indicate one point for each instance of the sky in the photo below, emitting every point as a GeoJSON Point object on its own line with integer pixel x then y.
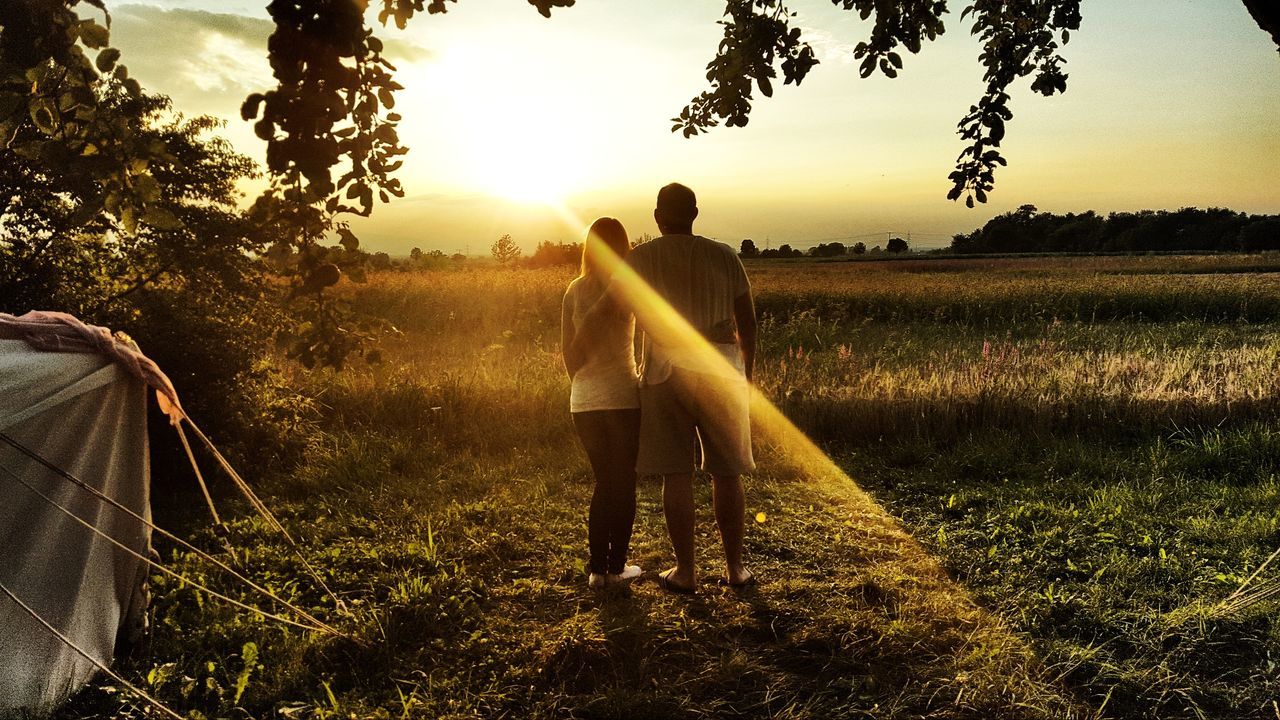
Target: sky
{"type": "Point", "coordinates": [509, 116]}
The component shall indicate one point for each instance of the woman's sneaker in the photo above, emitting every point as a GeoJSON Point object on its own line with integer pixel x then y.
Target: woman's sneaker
{"type": "Point", "coordinates": [596, 581]}
{"type": "Point", "coordinates": [629, 573]}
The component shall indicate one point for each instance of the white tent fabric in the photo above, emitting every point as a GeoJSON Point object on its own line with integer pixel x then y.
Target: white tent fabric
{"type": "Point", "coordinates": [86, 415]}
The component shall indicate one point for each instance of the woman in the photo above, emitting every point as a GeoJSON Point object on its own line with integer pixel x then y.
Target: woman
{"type": "Point", "coordinates": [605, 403]}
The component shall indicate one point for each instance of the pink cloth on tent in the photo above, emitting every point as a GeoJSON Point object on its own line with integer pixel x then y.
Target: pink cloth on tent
{"type": "Point", "coordinates": [59, 332]}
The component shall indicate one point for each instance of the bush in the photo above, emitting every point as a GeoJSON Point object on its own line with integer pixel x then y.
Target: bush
{"type": "Point", "coordinates": [185, 287]}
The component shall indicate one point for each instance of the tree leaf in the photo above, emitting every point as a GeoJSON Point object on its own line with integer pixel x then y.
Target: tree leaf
{"type": "Point", "coordinates": [348, 239]}
{"type": "Point", "coordinates": [107, 59]}
{"type": "Point", "coordinates": [42, 114]}
{"type": "Point", "coordinates": [93, 35]}
{"type": "Point", "coordinates": [249, 109]}
{"type": "Point", "coordinates": [161, 218]}
{"type": "Point", "coordinates": [147, 187]}
{"type": "Point", "coordinates": [129, 219]}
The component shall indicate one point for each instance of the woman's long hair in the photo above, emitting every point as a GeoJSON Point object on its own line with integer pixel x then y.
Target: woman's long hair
{"type": "Point", "coordinates": [605, 235]}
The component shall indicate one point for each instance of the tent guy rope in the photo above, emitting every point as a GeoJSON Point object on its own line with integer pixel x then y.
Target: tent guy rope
{"type": "Point", "coordinates": [158, 566]}
{"type": "Point", "coordinates": [165, 533]}
{"type": "Point", "coordinates": [96, 662]}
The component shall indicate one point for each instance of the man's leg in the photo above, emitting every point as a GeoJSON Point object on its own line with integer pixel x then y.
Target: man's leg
{"type": "Point", "coordinates": [677, 504]}
{"type": "Point", "coordinates": [730, 504]}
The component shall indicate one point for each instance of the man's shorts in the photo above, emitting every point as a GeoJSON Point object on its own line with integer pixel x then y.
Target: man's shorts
{"type": "Point", "coordinates": [688, 408]}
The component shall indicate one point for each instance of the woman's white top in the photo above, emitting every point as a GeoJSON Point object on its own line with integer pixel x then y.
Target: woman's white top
{"type": "Point", "coordinates": [608, 380]}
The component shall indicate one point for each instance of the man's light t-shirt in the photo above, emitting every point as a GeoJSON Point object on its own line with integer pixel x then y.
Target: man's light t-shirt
{"type": "Point", "coordinates": [700, 278]}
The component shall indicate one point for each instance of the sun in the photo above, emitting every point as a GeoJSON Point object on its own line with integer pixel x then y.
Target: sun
{"type": "Point", "coordinates": [513, 134]}
{"type": "Point", "coordinates": [525, 165]}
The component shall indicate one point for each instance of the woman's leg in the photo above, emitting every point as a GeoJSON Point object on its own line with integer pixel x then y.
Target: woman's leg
{"type": "Point", "coordinates": [624, 437]}
{"type": "Point", "coordinates": [593, 432]}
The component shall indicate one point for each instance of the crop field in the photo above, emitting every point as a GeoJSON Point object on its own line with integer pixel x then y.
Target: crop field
{"type": "Point", "coordinates": [1067, 462]}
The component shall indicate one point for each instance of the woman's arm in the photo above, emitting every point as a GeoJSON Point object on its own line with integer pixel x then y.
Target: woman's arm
{"type": "Point", "coordinates": [573, 359]}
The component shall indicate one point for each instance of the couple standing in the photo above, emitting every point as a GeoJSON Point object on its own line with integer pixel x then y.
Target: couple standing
{"type": "Point", "coordinates": [691, 390]}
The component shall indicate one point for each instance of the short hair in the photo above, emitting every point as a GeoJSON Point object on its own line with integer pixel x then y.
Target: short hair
{"type": "Point", "coordinates": [677, 203]}
{"type": "Point", "coordinates": [606, 234]}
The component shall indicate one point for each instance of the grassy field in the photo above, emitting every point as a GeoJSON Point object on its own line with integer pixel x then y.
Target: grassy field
{"type": "Point", "coordinates": [1076, 456]}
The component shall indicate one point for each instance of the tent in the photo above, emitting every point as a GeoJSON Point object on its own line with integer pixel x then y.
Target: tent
{"type": "Point", "coordinates": [86, 414]}
{"type": "Point", "coordinates": [75, 519]}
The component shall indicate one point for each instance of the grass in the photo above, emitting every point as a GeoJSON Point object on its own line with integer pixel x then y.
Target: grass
{"type": "Point", "coordinates": [1097, 549]}
{"type": "Point", "coordinates": [1079, 448]}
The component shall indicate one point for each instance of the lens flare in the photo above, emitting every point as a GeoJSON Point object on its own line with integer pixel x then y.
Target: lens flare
{"type": "Point", "coordinates": [891, 555]}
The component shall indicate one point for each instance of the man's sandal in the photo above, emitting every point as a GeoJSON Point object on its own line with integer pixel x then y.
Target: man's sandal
{"type": "Point", "coordinates": [666, 583]}
{"type": "Point", "coordinates": [749, 582]}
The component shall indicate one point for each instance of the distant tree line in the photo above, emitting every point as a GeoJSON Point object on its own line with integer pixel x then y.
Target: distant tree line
{"type": "Point", "coordinates": [1028, 230]}
{"type": "Point", "coordinates": [749, 250]}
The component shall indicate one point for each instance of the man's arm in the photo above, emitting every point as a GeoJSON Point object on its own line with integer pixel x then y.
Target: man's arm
{"type": "Point", "coordinates": [744, 314]}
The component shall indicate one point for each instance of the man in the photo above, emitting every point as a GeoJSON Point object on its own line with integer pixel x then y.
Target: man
{"type": "Point", "coordinates": [694, 385]}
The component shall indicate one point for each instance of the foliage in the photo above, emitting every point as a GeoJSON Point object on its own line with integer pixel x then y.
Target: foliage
{"type": "Point", "coordinates": [332, 107]}
{"type": "Point", "coordinates": [782, 251]}
{"type": "Point", "coordinates": [505, 250]}
{"type": "Point", "coordinates": [434, 258]}
{"type": "Point", "coordinates": [1028, 230]}
{"type": "Point", "coordinates": [1019, 39]}
{"type": "Point", "coordinates": [748, 249]}
{"type": "Point", "coordinates": [831, 249]}
{"type": "Point", "coordinates": [329, 69]}
{"type": "Point", "coordinates": [188, 290]}
{"type": "Point", "coordinates": [896, 245]}
{"type": "Point", "coordinates": [858, 248]}
{"type": "Point", "coordinates": [332, 104]}
{"type": "Point", "coordinates": [1262, 233]}
{"type": "Point", "coordinates": [52, 114]}
{"type": "Point", "coordinates": [549, 254]}
{"type": "Point", "coordinates": [51, 110]}
{"type": "Point", "coordinates": [325, 331]}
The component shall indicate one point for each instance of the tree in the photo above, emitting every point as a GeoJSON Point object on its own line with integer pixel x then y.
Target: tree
{"type": "Point", "coordinates": [896, 245]}
{"type": "Point", "coordinates": [748, 249]}
{"type": "Point", "coordinates": [1262, 233]}
{"type": "Point", "coordinates": [187, 284]}
{"type": "Point", "coordinates": [504, 250]}
{"type": "Point", "coordinates": [550, 254]}
{"type": "Point", "coordinates": [834, 249]}
{"type": "Point", "coordinates": [858, 248]}
{"type": "Point", "coordinates": [1028, 230]}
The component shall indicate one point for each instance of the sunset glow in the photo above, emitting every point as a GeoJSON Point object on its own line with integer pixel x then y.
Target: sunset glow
{"type": "Point", "coordinates": [506, 112]}
{"type": "Point", "coordinates": [511, 136]}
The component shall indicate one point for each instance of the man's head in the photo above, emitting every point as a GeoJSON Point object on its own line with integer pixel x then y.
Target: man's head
{"type": "Point", "coordinates": [676, 210]}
